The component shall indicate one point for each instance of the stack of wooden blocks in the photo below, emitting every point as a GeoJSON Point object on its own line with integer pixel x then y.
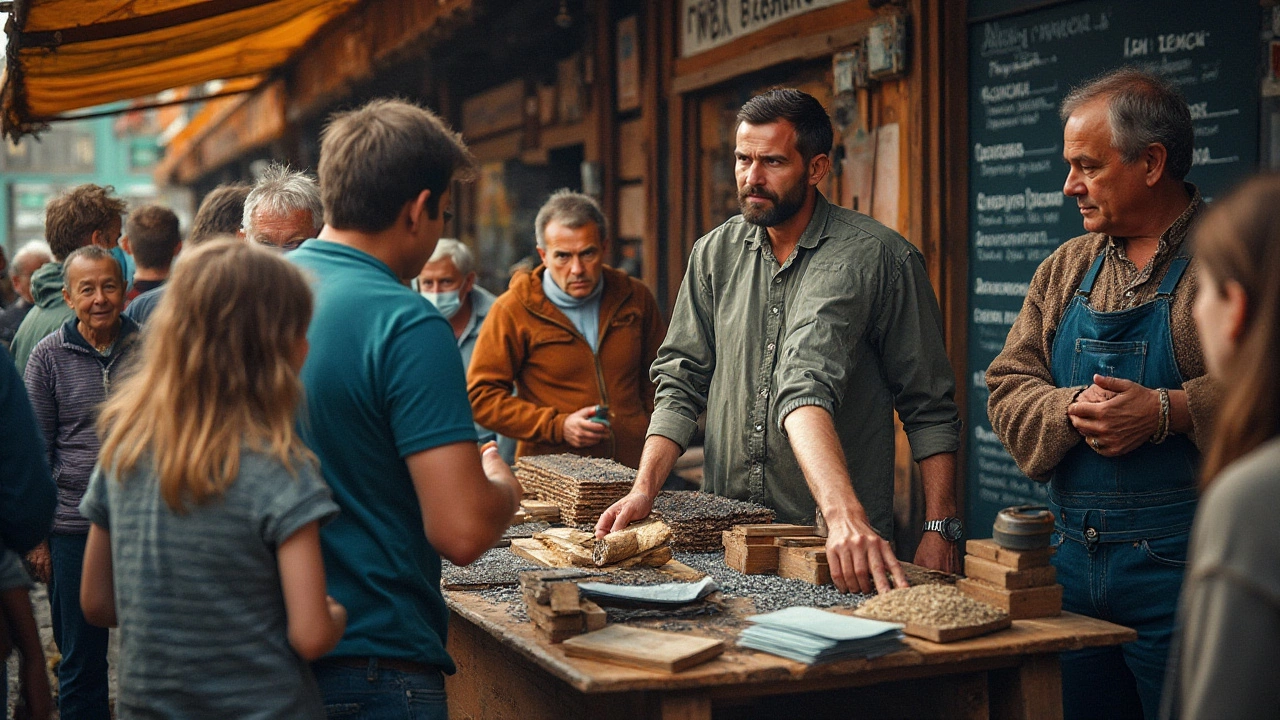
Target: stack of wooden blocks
{"type": "Point", "coordinates": [1021, 582]}
{"type": "Point", "coordinates": [552, 601]}
{"type": "Point", "coordinates": [539, 510]}
{"type": "Point", "coordinates": [581, 487]}
{"type": "Point", "coordinates": [786, 550]}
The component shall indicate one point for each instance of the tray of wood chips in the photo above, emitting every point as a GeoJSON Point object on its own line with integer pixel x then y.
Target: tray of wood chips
{"type": "Point", "coordinates": [938, 612]}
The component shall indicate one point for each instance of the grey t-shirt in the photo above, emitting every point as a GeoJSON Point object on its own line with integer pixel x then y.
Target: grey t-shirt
{"type": "Point", "coordinates": [198, 597]}
{"type": "Point", "coordinates": [1229, 617]}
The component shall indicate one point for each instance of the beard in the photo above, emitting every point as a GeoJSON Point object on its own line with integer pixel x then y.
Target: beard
{"type": "Point", "coordinates": [783, 209]}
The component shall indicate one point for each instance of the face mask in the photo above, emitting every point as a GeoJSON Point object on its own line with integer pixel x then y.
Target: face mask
{"type": "Point", "coordinates": [448, 303]}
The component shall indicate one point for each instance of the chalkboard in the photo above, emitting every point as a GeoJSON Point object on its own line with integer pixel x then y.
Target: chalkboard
{"type": "Point", "coordinates": [1020, 68]}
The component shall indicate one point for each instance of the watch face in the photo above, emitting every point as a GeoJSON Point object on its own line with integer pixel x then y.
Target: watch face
{"type": "Point", "coordinates": [952, 529]}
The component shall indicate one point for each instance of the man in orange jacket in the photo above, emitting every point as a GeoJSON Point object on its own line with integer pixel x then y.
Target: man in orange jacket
{"type": "Point", "coordinates": [574, 339]}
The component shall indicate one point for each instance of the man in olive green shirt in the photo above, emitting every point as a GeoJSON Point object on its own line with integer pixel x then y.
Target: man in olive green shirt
{"type": "Point", "coordinates": [800, 327]}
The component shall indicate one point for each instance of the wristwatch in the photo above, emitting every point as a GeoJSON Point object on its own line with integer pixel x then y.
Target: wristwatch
{"type": "Point", "coordinates": [950, 528]}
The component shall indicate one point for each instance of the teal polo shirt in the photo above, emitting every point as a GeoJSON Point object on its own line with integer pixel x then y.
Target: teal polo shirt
{"type": "Point", "coordinates": [383, 381]}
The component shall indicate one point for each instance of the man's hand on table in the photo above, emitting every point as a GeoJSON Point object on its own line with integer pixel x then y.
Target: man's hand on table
{"type": "Point", "coordinates": [635, 506]}
{"type": "Point", "coordinates": [935, 553]}
{"type": "Point", "coordinates": [861, 561]}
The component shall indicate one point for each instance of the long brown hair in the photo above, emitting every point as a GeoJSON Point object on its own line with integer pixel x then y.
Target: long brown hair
{"type": "Point", "coordinates": [215, 374]}
{"type": "Point", "coordinates": [1238, 240]}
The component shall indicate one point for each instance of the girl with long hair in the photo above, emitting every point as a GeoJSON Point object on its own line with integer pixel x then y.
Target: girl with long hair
{"type": "Point", "coordinates": [206, 505]}
{"type": "Point", "coordinates": [1229, 634]}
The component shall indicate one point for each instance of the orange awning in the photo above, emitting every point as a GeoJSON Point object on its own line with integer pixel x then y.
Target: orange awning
{"type": "Point", "coordinates": [70, 54]}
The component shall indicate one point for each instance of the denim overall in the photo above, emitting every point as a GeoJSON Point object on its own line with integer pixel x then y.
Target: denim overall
{"type": "Point", "coordinates": [1122, 523]}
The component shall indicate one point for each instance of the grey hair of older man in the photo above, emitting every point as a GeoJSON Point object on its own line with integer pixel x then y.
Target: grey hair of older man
{"type": "Point", "coordinates": [281, 191]}
{"type": "Point", "coordinates": [459, 253]}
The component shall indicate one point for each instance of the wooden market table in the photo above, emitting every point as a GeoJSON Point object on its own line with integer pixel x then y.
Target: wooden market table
{"type": "Point", "coordinates": [507, 670]}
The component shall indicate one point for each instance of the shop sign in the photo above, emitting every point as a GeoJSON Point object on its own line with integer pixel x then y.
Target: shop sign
{"type": "Point", "coordinates": [706, 24]}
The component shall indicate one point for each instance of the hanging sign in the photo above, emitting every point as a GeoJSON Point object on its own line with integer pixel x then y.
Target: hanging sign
{"type": "Point", "coordinates": [706, 24]}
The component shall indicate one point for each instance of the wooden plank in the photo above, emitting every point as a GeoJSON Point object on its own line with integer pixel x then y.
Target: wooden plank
{"type": "Point", "coordinates": [772, 530]}
{"type": "Point", "coordinates": [1006, 577]}
{"type": "Point", "coordinates": [1020, 604]}
{"type": "Point", "coordinates": [936, 634]}
{"type": "Point", "coordinates": [800, 541]}
{"type": "Point", "coordinates": [643, 648]}
{"type": "Point", "coordinates": [534, 551]}
{"type": "Point", "coordinates": [493, 111]}
{"type": "Point", "coordinates": [1016, 559]}
{"type": "Point", "coordinates": [684, 706]}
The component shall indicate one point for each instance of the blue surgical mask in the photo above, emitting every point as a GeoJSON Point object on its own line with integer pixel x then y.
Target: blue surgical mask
{"type": "Point", "coordinates": [448, 303]}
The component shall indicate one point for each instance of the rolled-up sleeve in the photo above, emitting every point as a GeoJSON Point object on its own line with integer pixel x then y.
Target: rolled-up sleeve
{"type": "Point", "coordinates": [686, 360]}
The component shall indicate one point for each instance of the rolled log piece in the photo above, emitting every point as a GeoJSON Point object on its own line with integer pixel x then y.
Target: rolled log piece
{"type": "Point", "coordinates": [633, 540]}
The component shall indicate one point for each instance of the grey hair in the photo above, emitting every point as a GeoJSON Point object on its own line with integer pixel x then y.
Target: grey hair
{"type": "Point", "coordinates": [460, 254]}
{"type": "Point", "coordinates": [1142, 109]}
{"type": "Point", "coordinates": [33, 249]}
{"type": "Point", "coordinates": [571, 209]}
{"type": "Point", "coordinates": [281, 191]}
{"type": "Point", "coordinates": [92, 253]}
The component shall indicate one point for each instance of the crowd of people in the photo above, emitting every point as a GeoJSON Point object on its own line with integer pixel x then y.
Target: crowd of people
{"type": "Point", "coordinates": [252, 449]}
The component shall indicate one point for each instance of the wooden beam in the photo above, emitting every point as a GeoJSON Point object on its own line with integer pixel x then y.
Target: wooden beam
{"type": "Point", "coordinates": [805, 47]}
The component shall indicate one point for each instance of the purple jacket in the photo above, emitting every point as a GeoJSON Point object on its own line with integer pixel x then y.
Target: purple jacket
{"type": "Point", "coordinates": [67, 380]}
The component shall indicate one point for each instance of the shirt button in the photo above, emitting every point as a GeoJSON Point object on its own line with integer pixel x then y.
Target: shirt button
{"type": "Point", "coordinates": [759, 427]}
{"type": "Point", "coordinates": [774, 310]}
{"type": "Point", "coordinates": [770, 347]}
{"type": "Point", "coordinates": [764, 392]}
{"type": "Point", "coordinates": [777, 281]}
{"type": "Point", "coordinates": [1129, 294]}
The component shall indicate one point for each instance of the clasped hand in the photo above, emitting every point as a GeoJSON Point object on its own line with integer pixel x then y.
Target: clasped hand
{"type": "Point", "coordinates": [1115, 416]}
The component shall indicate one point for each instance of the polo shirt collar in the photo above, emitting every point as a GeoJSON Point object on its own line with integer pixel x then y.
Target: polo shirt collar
{"type": "Point", "coordinates": [327, 247]}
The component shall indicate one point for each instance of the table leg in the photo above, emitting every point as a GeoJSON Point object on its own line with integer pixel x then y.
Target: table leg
{"type": "Point", "coordinates": [684, 706]}
{"type": "Point", "coordinates": [1031, 691]}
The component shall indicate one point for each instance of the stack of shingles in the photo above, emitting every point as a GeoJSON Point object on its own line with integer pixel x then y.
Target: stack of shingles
{"type": "Point", "coordinates": [697, 519]}
{"type": "Point", "coordinates": [582, 487]}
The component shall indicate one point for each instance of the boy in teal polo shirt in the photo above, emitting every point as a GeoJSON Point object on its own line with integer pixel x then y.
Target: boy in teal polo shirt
{"type": "Point", "coordinates": [387, 410]}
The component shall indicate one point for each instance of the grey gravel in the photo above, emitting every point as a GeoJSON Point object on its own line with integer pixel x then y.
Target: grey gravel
{"type": "Point", "coordinates": [498, 566]}
{"type": "Point", "coordinates": [768, 592]}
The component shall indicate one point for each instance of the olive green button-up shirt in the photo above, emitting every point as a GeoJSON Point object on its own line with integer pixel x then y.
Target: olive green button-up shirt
{"type": "Point", "coordinates": [848, 323]}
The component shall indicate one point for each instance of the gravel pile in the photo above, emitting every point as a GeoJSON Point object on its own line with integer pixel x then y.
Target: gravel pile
{"type": "Point", "coordinates": [769, 592]}
{"type": "Point", "coordinates": [582, 487]}
{"type": "Point", "coordinates": [697, 519]}
{"type": "Point", "coordinates": [497, 567]}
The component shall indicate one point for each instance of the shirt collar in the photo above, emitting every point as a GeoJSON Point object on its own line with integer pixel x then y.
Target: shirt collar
{"type": "Point", "coordinates": [1172, 239]}
{"type": "Point", "coordinates": [813, 233]}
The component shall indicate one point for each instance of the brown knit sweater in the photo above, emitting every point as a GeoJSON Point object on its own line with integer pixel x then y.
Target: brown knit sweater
{"type": "Point", "coordinates": [1027, 411]}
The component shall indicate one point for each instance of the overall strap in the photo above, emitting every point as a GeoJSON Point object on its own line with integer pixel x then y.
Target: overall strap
{"type": "Point", "coordinates": [1171, 277]}
{"type": "Point", "coordinates": [1086, 285]}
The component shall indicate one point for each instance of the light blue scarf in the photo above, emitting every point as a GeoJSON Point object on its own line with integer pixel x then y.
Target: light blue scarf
{"type": "Point", "coordinates": [584, 313]}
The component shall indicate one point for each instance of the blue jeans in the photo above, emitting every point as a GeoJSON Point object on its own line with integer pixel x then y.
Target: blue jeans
{"type": "Point", "coordinates": [1135, 583]}
{"type": "Point", "coordinates": [82, 674]}
{"type": "Point", "coordinates": [376, 693]}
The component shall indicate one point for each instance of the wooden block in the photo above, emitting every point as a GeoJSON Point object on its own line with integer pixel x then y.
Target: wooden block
{"type": "Point", "coordinates": [657, 557]}
{"type": "Point", "coordinates": [800, 541]}
{"type": "Point", "coordinates": [774, 530]}
{"type": "Point", "coordinates": [594, 615]}
{"type": "Point", "coordinates": [951, 634]}
{"type": "Point", "coordinates": [564, 598]}
{"type": "Point", "coordinates": [808, 564]}
{"type": "Point", "coordinates": [751, 559]}
{"type": "Point", "coordinates": [542, 616]}
{"type": "Point", "coordinates": [1006, 577]}
{"type": "Point", "coordinates": [541, 510]}
{"type": "Point", "coordinates": [643, 648]}
{"type": "Point", "coordinates": [1016, 559]}
{"type": "Point", "coordinates": [540, 582]}
{"type": "Point", "coordinates": [1020, 604]}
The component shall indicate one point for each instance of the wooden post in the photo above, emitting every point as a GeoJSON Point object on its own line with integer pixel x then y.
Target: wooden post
{"type": "Point", "coordinates": [1031, 690]}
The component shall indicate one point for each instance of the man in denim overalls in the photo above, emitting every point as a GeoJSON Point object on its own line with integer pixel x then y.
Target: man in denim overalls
{"type": "Point", "coordinates": [1100, 388]}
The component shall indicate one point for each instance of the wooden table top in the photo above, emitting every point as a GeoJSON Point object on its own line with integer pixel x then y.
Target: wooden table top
{"type": "Point", "coordinates": [741, 665]}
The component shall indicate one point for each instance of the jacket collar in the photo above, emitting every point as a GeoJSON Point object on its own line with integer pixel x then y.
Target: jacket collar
{"type": "Point", "coordinates": [527, 285]}
{"type": "Point", "coordinates": [71, 337]}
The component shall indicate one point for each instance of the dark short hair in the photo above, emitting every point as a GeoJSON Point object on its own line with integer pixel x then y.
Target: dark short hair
{"type": "Point", "coordinates": [153, 236]}
{"type": "Point", "coordinates": [71, 219]}
{"type": "Point", "coordinates": [1142, 109]}
{"type": "Point", "coordinates": [219, 213]}
{"type": "Point", "coordinates": [813, 126]}
{"type": "Point", "coordinates": [92, 253]}
{"type": "Point", "coordinates": [377, 157]}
